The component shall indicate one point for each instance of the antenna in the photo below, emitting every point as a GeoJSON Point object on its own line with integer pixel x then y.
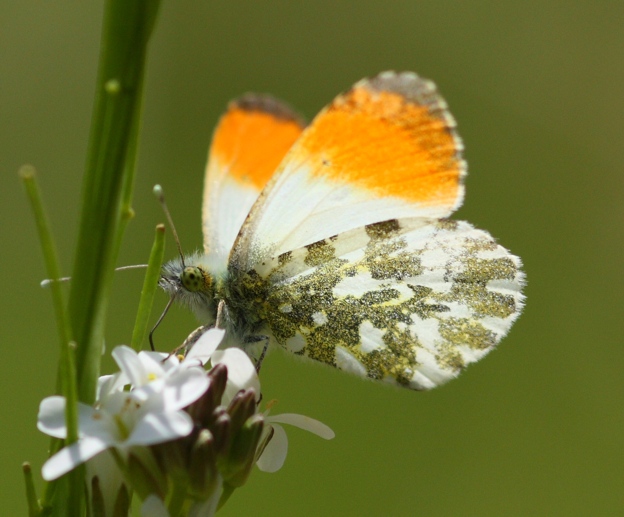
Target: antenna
{"type": "Point", "coordinates": [151, 334]}
{"type": "Point", "coordinates": [160, 195]}
{"type": "Point", "coordinates": [49, 281]}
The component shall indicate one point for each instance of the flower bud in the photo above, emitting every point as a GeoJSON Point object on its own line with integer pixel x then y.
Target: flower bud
{"type": "Point", "coordinates": [202, 410]}
{"type": "Point", "coordinates": [242, 406]}
{"type": "Point", "coordinates": [242, 454]}
{"type": "Point", "coordinates": [221, 431]}
{"type": "Point", "coordinates": [203, 472]}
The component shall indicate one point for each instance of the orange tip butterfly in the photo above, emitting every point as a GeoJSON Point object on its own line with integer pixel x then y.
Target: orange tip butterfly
{"type": "Point", "coordinates": [332, 240]}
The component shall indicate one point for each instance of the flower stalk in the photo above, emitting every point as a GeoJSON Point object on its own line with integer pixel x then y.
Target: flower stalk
{"type": "Point", "coordinates": [31, 494]}
{"type": "Point", "coordinates": [66, 381]}
{"type": "Point", "coordinates": [107, 190]}
{"type": "Point", "coordinates": [150, 285]}
{"type": "Point", "coordinates": [109, 174]}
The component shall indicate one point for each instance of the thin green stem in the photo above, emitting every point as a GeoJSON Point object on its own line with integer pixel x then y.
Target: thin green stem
{"type": "Point", "coordinates": [149, 288]}
{"type": "Point", "coordinates": [28, 176]}
{"type": "Point", "coordinates": [67, 371]}
{"type": "Point", "coordinates": [67, 367]}
{"type": "Point", "coordinates": [31, 494]}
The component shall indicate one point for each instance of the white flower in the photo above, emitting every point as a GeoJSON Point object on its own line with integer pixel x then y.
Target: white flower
{"type": "Point", "coordinates": [242, 375]}
{"type": "Point", "coordinates": [156, 372]}
{"type": "Point", "coordinates": [167, 400]}
{"type": "Point", "coordinates": [148, 414]}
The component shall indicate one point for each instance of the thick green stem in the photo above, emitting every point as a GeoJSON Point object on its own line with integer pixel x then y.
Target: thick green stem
{"type": "Point", "coordinates": [106, 198]}
{"type": "Point", "coordinates": [108, 177]}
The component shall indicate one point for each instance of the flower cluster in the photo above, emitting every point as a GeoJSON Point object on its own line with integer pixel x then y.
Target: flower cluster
{"type": "Point", "coordinates": [180, 437]}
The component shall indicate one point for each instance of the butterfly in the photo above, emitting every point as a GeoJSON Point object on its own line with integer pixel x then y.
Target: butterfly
{"type": "Point", "coordinates": [333, 242]}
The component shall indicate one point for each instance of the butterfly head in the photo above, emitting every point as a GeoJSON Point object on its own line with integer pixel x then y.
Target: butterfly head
{"type": "Point", "coordinates": [194, 279]}
{"type": "Point", "coordinates": [191, 284]}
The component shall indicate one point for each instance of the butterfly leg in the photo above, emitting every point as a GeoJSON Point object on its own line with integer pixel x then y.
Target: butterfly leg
{"type": "Point", "coordinates": [193, 337]}
{"type": "Point", "coordinates": [251, 349]}
{"type": "Point", "coordinates": [187, 344]}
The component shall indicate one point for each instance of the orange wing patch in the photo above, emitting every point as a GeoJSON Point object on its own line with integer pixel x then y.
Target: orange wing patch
{"type": "Point", "coordinates": [253, 136]}
{"type": "Point", "coordinates": [392, 135]}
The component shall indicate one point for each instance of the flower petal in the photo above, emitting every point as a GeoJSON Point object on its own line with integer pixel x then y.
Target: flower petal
{"type": "Point", "coordinates": [184, 387]}
{"type": "Point", "coordinates": [160, 361]}
{"type": "Point", "coordinates": [129, 363]}
{"type": "Point", "coordinates": [274, 454]}
{"type": "Point", "coordinates": [68, 458]}
{"type": "Point", "coordinates": [51, 417]}
{"type": "Point", "coordinates": [97, 423]}
{"type": "Point", "coordinates": [303, 422]}
{"type": "Point", "coordinates": [160, 427]}
{"type": "Point", "coordinates": [241, 371]}
{"type": "Point", "coordinates": [208, 342]}
{"type": "Point", "coordinates": [108, 384]}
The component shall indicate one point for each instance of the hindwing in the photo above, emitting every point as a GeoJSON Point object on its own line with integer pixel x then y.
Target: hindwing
{"type": "Point", "coordinates": [409, 301]}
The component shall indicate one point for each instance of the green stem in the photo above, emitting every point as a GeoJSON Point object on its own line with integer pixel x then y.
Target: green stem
{"type": "Point", "coordinates": [178, 496]}
{"type": "Point", "coordinates": [67, 367]}
{"type": "Point", "coordinates": [108, 177]}
{"type": "Point", "coordinates": [107, 191]}
{"type": "Point", "coordinates": [28, 175]}
{"type": "Point", "coordinates": [149, 288]}
{"type": "Point", "coordinates": [34, 509]}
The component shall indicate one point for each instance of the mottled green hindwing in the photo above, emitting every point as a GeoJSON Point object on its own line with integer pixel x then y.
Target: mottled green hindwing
{"type": "Point", "coordinates": [409, 301]}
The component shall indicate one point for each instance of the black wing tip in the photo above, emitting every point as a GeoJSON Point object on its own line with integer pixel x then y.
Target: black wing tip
{"type": "Point", "coordinates": [267, 104]}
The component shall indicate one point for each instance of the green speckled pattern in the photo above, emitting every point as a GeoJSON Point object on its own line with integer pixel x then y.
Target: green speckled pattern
{"type": "Point", "coordinates": [410, 301]}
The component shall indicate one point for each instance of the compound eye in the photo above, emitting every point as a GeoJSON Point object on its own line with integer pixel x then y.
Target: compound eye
{"type": "Point", "coordinates": [192, 279]}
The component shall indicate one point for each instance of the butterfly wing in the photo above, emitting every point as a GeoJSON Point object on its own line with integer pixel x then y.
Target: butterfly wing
{"type": "Point", "coordinates": [408, 301]}
{"type": "Point", "coordinates": [347, 258]}
{"type": "Point", "coordinates": [248, 144]}
{"type": "Point", "coordinates": [385, 149]}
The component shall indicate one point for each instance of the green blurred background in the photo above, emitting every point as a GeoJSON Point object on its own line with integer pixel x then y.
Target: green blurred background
{"type": "Point", "coordinates": [538, 91]}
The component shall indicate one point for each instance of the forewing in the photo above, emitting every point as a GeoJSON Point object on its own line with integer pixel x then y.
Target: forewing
{"type": "Point", "coordinates": [407, 301]}
{"type": "Point", "coordinates": [385, 149]}
{"type": "Point", "coordinates": [248, 144]}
